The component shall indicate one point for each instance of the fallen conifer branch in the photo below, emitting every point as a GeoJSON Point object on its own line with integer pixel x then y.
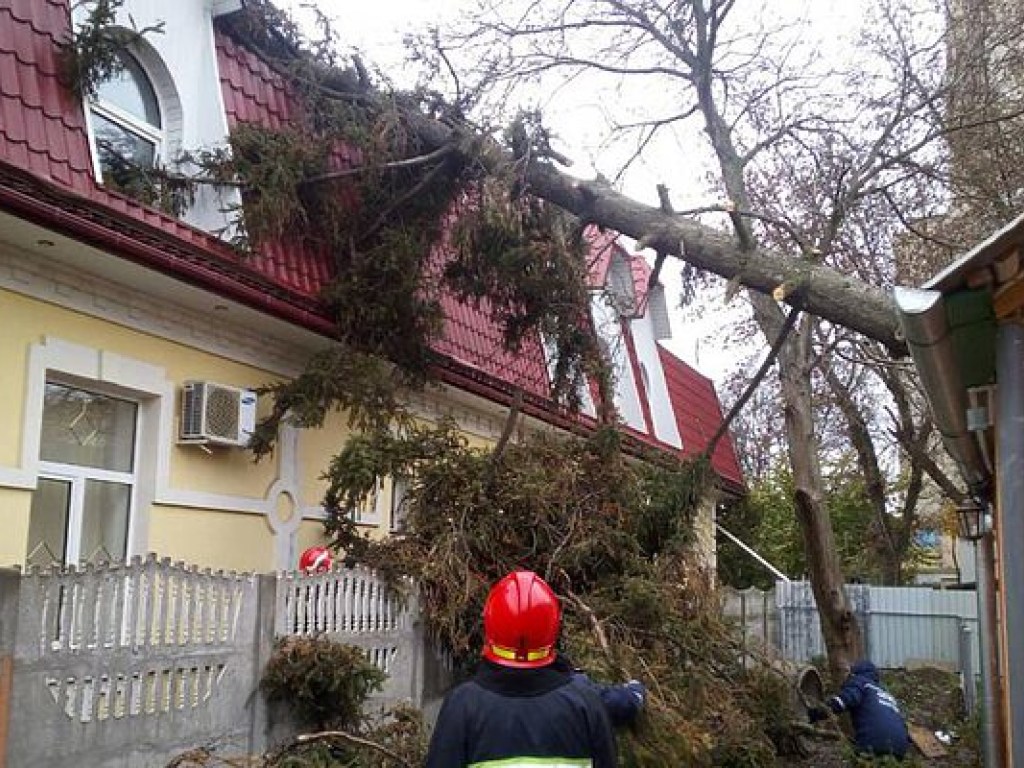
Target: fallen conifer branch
{"type": "Point", "coordinates": [306, 738]}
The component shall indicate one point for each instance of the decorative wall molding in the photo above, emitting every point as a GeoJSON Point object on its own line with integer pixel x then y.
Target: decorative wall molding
{"type": "Point", "coordinates": [481, 419]}
{"type": "Point", "coordinates": [73, 288]}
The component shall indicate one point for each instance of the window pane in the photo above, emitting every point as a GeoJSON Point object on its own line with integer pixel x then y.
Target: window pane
{"type": "Point", "coordinates": [399, 490]}
{"type": "Point", "coordinates": [119, 148]}
{"type": "Point", "coordinates": [84, 428]}
{"type": "Point", "coordinates": [130, 90]}
{"type": "Point", "coordinates": [105, 522]}
{"type": "Point", "coordinates": [48, 522]}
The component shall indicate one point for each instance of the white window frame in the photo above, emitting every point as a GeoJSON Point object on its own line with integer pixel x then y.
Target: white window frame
{"type": "Point", "coordinates": [126, 378]}
{"type": "Point", "coordinates": [78, 474]}
{"type": "Point", "coordinates": [369, 512]}
{"type": "Point", "coordinates": [396, 500]}
{"type": "Point", "coordinates": [128, 121]}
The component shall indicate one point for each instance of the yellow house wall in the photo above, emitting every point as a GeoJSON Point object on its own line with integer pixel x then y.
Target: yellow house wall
{"type": "Point", "coordinates": [246, 536]}
{"type": "Point", "coordinates": [212, 538]}
{"type": "Point", "coordinates": [315, 449]}
{"type": "Point", "coordinates": [27, 321]}
{"type": "Point", "coordinates": [213, 508]}
{"type": "Point", "coordinates": [310, 534]}
{"type": "Point", "coordinates": [16, 333]}
{"type": "Point", "coordinates": [223, 538]}
{"type": "Point", "coordinates": [14, 506]}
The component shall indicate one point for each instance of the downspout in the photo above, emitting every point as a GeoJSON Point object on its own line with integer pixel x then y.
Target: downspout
{"type": "Point", "coordinates": [1010, 452]}
{"type": "Point", "coordinates": [922, 316]}
{"type": "Point", "coordinates": [992, 726]}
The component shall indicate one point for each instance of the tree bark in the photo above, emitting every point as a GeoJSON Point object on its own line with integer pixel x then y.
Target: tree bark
{"type": "Point", "coordinates": [818, 289]}
{"type": "Point", "coordinates": [887, 547]}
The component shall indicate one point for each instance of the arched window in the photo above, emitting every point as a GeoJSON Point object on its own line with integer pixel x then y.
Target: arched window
{"type": "Point", "coordinates": [127, 126]}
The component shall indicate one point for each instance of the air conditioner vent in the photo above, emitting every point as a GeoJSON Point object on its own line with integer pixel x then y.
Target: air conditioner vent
{"type": "Point", "coordinates": [222, 406]}
{"type": "Point", "coordinates": [215, 413]}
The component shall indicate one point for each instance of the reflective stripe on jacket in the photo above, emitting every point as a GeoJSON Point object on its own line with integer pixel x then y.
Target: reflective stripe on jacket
{"type": "Point", "coordinates": [522, 718]}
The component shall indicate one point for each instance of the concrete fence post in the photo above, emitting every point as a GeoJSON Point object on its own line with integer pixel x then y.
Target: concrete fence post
{"type": "Point", "coordinates": [263, 647]}
{"type": "Point", "coordinates": [967, 668]}
{"type": "Point", "coordinates": [10, 589]}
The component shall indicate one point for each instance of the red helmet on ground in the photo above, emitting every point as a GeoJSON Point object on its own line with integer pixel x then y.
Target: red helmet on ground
{"type": "Point", "coordinates": [315, 560]}
{"type": "Point", "coordinates": [521, 621]}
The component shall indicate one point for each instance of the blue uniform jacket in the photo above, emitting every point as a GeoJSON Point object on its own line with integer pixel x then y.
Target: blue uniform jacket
{"type": "Point", "coordinates": [523, 717]}
{"type": "Point", "coordinates": [878, 724]}
{"type": "Point", "coordinates": [620, 701]}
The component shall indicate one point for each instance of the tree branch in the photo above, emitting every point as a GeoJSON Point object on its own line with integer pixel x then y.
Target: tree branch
{"type": "Point", "coordinates": [305, 738]}
{"type": "Point", "coordinates": [755, 382]}
{"type": "Point", "coordinates": [411, 162]}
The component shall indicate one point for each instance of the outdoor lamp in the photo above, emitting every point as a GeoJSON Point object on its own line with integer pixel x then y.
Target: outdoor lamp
{"type": "Point", "coordinates": [972, 520]}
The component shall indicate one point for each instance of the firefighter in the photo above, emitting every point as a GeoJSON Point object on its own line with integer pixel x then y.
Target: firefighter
{"type": "Point", "coordinates": [525, 706]}
{"type": "Point", "coordinates": [879, 728]}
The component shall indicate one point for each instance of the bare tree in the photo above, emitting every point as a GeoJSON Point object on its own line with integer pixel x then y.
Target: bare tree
{"type": "Point", "coordinates": [825, 164]}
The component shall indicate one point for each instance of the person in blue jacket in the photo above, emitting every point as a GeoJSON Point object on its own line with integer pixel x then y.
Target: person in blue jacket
{"type": "Point", "coordinates": [526, 707]}
{"type": "Point", "coordinates": [622, 702]}
{"type": "Point", "coordinates": [879, 727]}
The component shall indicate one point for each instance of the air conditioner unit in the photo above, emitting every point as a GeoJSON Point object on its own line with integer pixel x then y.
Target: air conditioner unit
{"type": "Point", "coordinates": [216, 414]}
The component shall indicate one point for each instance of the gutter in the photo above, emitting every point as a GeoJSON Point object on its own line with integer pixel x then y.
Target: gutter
{"type": "Point", "coordinates": [922, 316]}
{"type": "Point", "coordinates": [224, 282]}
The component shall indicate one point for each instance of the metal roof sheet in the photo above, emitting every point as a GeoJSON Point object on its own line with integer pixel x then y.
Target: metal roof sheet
{"type": "Point", "coordinates": [699, 415]}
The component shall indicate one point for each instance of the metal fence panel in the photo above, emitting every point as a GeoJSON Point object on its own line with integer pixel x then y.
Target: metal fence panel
{"type": "Point", "coordinates": [902, 625]}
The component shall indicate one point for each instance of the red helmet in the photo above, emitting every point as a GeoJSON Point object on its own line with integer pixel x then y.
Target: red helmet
{"type": "Point", "coordinates": [315, 560]}
{"type": "Point", "coordinates": [521, 621]}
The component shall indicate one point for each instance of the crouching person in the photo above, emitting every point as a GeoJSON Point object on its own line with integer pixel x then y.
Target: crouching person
{"type": "Point", "coordinates": [879, 727]}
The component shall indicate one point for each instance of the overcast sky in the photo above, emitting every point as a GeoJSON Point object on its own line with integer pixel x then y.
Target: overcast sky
{"type": "Point", "coordinates": [378, 28]}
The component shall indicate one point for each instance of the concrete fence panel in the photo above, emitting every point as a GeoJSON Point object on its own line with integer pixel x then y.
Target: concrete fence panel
{"type": "Point", "coordinates": [355, 607]}
{"type": "Point", "coordinates": [130, 665]}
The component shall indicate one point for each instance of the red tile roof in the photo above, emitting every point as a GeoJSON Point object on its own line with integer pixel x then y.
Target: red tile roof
{"type": "Point", "coordinates": [46, 174]}
{"type": "Point", "coordinates": [42, 124]}
{"type": "Point", "coordinates": [698, 415]}
{"type": "Point", "coordinates": [253, 92]}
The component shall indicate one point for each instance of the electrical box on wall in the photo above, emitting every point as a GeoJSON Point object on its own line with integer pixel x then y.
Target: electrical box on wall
{"type": "Point", "coordinates": [215, 414]}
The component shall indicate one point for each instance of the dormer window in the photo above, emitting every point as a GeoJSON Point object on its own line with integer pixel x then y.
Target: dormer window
{"type": "Point", "coordinates": [126, 122]}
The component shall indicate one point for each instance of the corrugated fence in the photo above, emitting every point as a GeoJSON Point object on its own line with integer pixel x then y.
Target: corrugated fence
{"type": "Point", "coordinates": [902, 625]}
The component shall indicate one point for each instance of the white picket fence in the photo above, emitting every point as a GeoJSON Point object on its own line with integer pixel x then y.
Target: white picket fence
{"type": "Point", "coordinates": [902, 625]}
{"type": "Point", "coordinates": [351, 606]}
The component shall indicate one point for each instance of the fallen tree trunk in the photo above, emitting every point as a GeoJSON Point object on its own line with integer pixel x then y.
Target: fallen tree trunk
{"type": "Point", "coordinates": [816, 288]}
{"type": "Point", "coordinates": [819, 289]}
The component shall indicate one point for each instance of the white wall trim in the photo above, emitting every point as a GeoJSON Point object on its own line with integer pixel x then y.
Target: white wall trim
{"type": "Point", "coordinates": [663, 416]}
{"type": "Point", "coordinates": [17, 478]}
